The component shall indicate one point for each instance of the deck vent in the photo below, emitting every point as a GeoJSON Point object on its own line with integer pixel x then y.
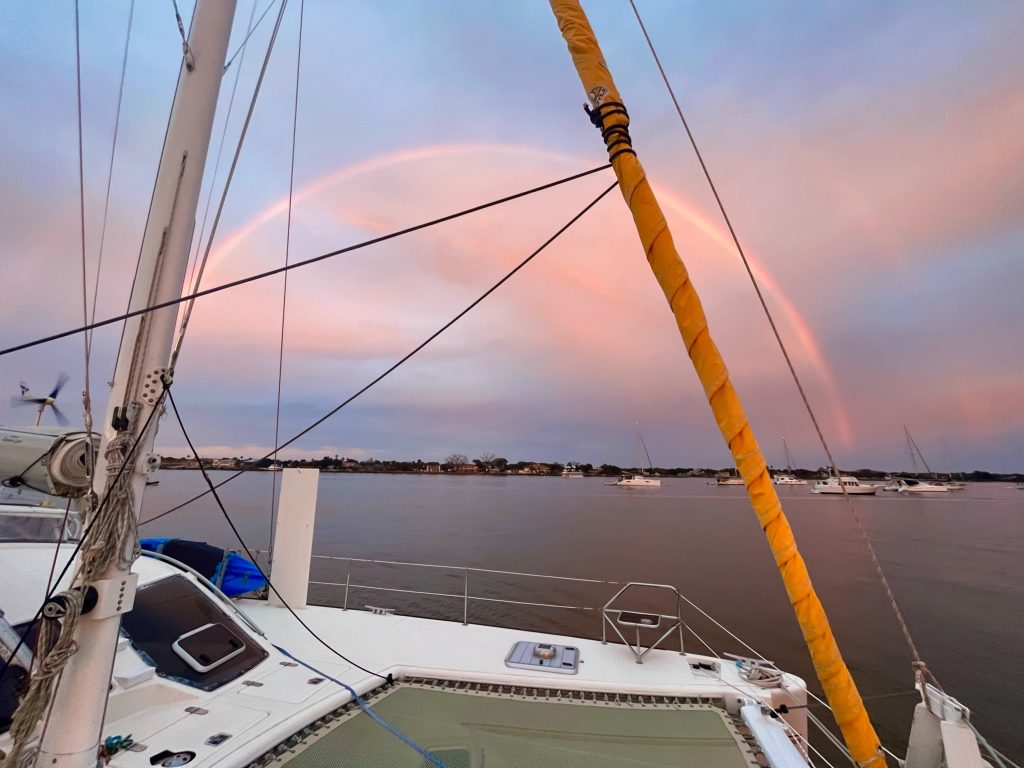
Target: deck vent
{"type": "Point", "coordinates": [544, 657]}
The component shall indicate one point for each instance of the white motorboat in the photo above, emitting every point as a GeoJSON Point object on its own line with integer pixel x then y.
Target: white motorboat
{"type": "Point", "coordinates": [783, 478]}
{"type": "Point", "coordinates": [911, 485]}
{"type": "Point", "coordinates": [145, 662]}
{"type": "Point", "coordinates": [728, 478]}
{"type": "Point", "coordinates": [889, 484]}
{"type": "Point", "coordinates": [848, 484]}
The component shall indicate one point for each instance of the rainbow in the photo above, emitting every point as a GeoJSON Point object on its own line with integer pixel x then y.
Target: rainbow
{"type": "Point", "coordinates": [672, 202]}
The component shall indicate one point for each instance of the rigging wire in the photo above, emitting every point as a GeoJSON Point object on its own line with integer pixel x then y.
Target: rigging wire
{"type": "Point", "coordinates": [298, 264]}
{"type": "Point", "coordinates": [920, 668]}
{"type": "Point", "coordinates": [149, 213]}
{"type": "Point", "coordinates": [190, 61]}
{"type": "Point", "coordinates": [252, 29]}
{"type": "Point", "coordinates": [395, 366]}
{"type": "Point", "coordinates": [248, 552]}
{"type": "Point", "coordinates": [183, 327]}
{"type": "Point", "coordinates": [220, 151]}
{"type": "Point", "coordinates": [284, 287]}
{"type": "Point", "coordinates": [90, 458]}
{"type": "Point", "coordinates": [86, 338]}
{"type": "Point", "coordinates": [56, 550]}
{"type": "Point", "coordinates": [110, 168]}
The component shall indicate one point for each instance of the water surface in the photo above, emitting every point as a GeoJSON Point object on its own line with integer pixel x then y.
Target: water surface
{"type": "Point", "coordinates": [956, 563]}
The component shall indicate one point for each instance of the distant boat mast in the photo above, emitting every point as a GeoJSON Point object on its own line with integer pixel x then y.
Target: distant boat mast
{"type": "Point", "coordinates": [913, 449]}
{"type": "Point", "coordinates": [789, 458]}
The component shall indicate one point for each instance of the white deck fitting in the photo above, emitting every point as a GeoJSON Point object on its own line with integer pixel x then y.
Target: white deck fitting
{"type": "Point", "coordinates": [293, 536]}
{"type": "Point", "coordinates": [258, 717]}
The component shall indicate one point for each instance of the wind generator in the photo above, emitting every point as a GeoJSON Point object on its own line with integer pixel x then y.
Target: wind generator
{"type": "Point", "coordinates": [28, 398]}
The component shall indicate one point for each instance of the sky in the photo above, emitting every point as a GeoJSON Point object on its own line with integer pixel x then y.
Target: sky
{"type": "Point", "coordinates": [871, 156]}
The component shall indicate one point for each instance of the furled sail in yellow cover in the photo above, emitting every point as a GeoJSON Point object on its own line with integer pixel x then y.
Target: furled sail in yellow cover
{"type": "Point", "coordinates": [610, 115]}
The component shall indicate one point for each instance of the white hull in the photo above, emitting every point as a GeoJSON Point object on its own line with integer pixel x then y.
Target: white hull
{"type": "Point", "coordinates": [637, 481]}
{"type": "Point", "coordinates": [850, 485]}
{"type": "Point", "coordinates": [919, 486]}
{"type": "Point", "coordinates": [788, 480]}
{"type": "Point", "coordinates": [863, 490]}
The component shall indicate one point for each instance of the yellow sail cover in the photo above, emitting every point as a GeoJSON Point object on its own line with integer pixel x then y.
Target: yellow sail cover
{"type": "Point", "coordinates": [674, 280]}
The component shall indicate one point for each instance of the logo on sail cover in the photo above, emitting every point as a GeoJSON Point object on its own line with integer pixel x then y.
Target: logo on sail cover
{"type": "Point", "coordinates": [597, 94]}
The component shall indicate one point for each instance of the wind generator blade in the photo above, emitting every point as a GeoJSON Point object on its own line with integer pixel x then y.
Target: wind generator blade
{"type": "Point", "coordinates": [61, 381]}
{"type": "Point", "coordinates": [16, 401]}
{"type": "Point", "coordinates": [58, 414]}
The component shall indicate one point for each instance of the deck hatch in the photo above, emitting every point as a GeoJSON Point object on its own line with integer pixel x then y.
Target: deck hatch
{"type": "Point", "coordinates": [174, 608]}
{"type": "Point", "coordinates": [544, 657]}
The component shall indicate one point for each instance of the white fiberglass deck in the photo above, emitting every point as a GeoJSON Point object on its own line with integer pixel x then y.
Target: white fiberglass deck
{"type": "Point", "coordinates": [243, 720]}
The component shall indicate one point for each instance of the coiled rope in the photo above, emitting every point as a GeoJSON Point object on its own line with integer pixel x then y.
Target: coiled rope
{"type": "Point", "coordinates": [55, 646]}
{"type": "Point", "coordinates": [116, 539]}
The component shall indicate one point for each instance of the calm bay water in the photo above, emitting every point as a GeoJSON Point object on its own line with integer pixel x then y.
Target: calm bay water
{"type": "Point", "coordinates": [956, 562]}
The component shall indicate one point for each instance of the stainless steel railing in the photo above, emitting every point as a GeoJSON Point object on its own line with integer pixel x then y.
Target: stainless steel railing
{"type": "Point", "coordinates": [465, 595]}
{"type": "Point", "coordinates": [610, 612]}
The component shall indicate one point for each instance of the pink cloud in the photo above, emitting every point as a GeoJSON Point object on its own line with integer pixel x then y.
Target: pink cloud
{"type": "Point", "coordinates": [591, 290]}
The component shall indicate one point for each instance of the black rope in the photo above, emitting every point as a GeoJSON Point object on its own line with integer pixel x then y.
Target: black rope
{"type": "Point", "coordinates": [213, 489]}
{"type": "Point", "coordinates": [129, 461]}
{"type": "Point", "coordinates": [297, 264]}
{"type": "Point", "coordinates": [616, 135]}
{"type": "Point", "coordinates": [400, 362]}
{"type": "Point", "coordinates": [18, 480]}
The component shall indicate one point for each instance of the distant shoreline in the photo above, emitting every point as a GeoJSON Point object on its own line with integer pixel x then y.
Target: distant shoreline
{"type": "Point", "coordinates": [605, 471]}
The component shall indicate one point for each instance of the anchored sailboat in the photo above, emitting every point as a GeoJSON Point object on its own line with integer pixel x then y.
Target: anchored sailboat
{"type": "Point", "coordinates": [643, 478]}
{"type": "Point", "coordinates": [916, 485]}
{"type": "Point", "coordinates": [787, 477]}
{"type": "Point", "coordinates": [145, 662]}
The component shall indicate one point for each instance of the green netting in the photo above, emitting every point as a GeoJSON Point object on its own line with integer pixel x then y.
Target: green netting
{"type": "Point", "coordinates": [469, 730]}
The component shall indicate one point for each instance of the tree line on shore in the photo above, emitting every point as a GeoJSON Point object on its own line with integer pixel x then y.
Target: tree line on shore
{"type": "Point", "coordinates": [491, 464]}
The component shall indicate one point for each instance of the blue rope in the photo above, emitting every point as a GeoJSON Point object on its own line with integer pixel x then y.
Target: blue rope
{"type": "Point", "coordinates": [429, 756]}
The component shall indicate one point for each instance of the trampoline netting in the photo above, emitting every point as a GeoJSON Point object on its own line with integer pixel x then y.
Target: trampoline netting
{"type": "Point", "coordinates": [473, 730]}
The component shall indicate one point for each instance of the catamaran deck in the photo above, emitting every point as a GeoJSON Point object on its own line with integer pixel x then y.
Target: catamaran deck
{"type": "Point", "coordinates": [674, 709]}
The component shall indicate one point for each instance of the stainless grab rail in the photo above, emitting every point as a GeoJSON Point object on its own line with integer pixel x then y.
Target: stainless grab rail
{"type": "Point", "coordinates": [466, 596]}
{"type": "Point", "coordinates": [468, 568]}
